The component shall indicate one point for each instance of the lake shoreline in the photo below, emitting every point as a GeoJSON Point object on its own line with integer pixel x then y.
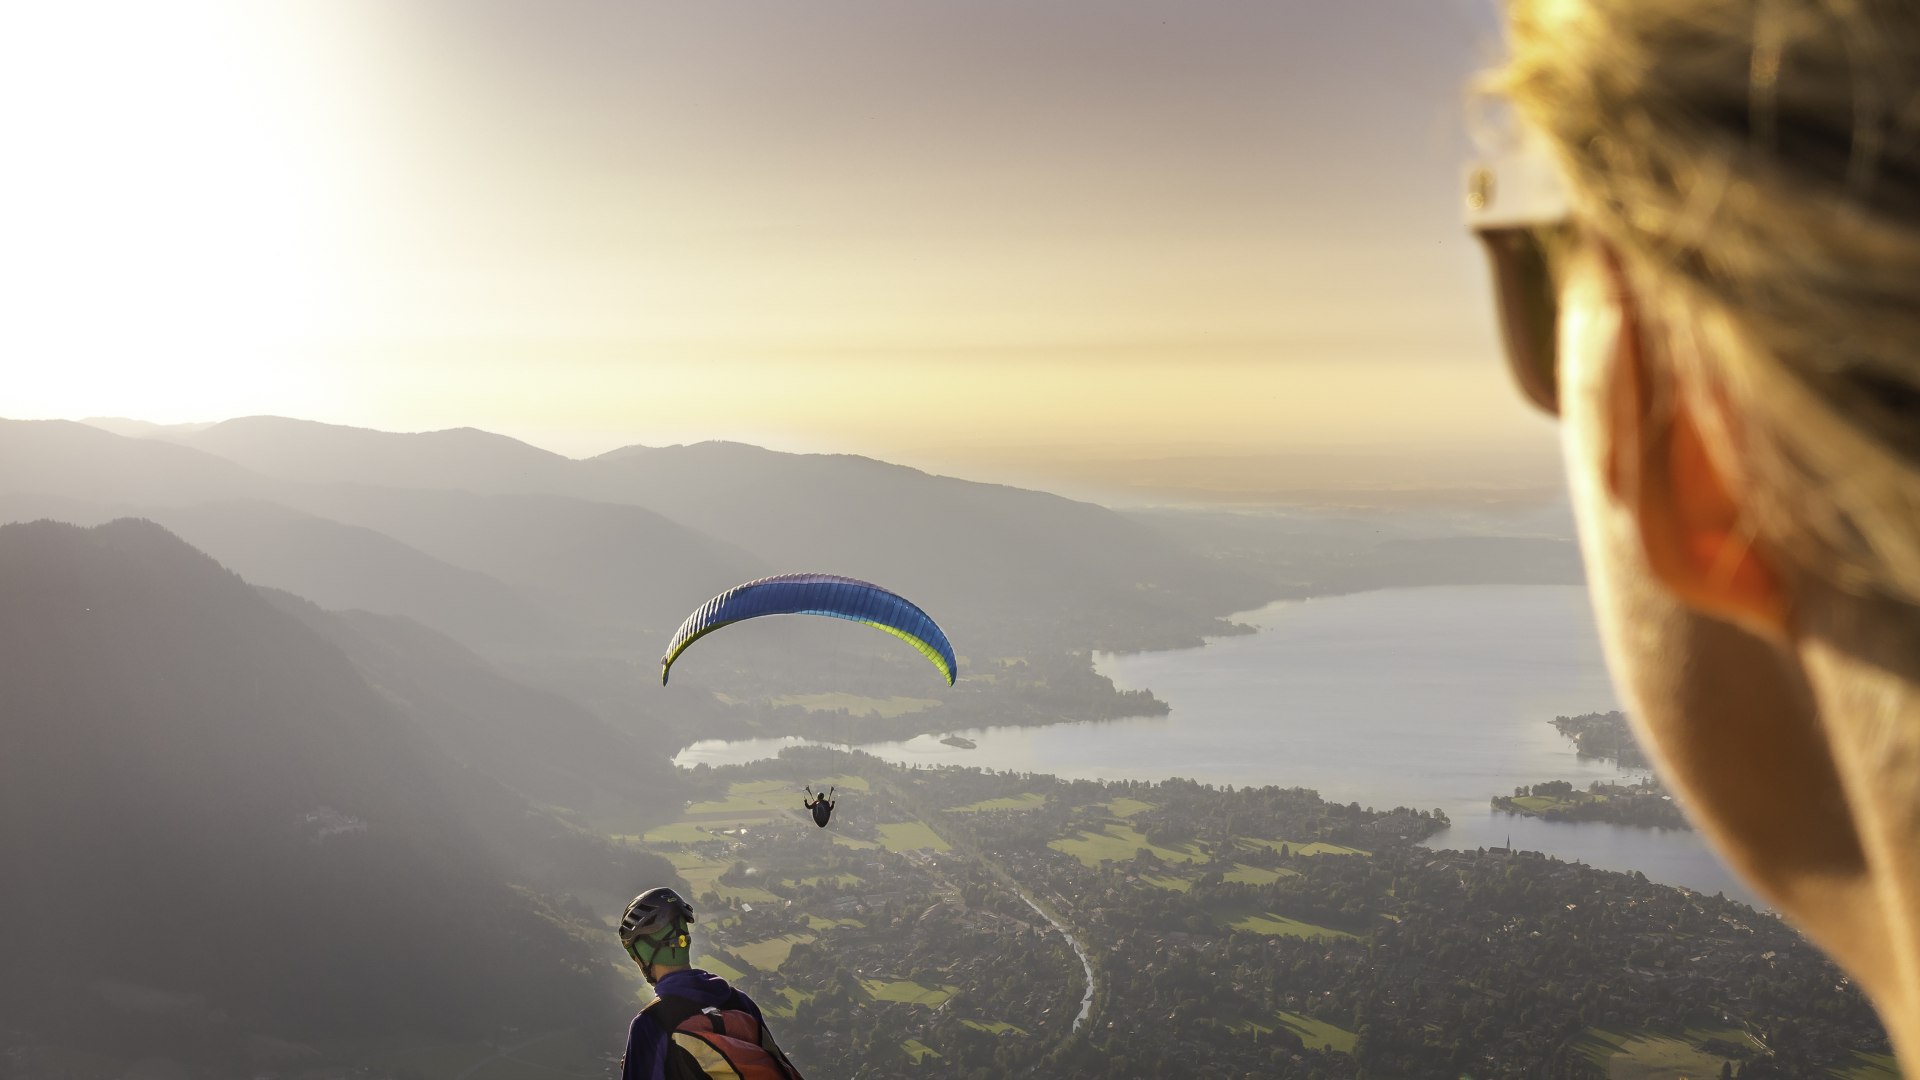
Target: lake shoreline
{"type": "Point", "coordinates": [1432, 697]}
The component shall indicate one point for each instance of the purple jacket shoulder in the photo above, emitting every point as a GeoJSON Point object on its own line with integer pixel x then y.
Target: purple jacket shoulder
{"type": "Point", "coordinates": [647, 1044]}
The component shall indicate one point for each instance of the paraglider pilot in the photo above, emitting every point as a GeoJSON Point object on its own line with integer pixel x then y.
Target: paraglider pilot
{"type": "Point", "coordinates": [821, 805]}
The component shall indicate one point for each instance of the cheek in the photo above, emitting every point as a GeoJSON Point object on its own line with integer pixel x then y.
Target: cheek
{"type": "Point", "coordinates": [1638, 622]}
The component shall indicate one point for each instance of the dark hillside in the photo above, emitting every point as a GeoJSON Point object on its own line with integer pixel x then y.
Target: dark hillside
{"type": "Point", "coordinates": [201, 798]}
{"type": "Point", "coordinates": [612, 573]}
{"type": "Point", "coordinates": [336, 566]}
{"type": "Point", "coordinates": [542, 745]}
{"type": "Point", "coordinates": [343, 566]}
{"type": "Point", "coordinates": [331, 564]}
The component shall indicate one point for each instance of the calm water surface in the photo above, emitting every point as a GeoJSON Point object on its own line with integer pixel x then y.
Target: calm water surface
{"type": "Point", "coordinates": [1432, 697]}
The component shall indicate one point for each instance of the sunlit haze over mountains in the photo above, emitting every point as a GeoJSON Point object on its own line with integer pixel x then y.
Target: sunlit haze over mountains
{"type": "Point", "coordinates": [1017, 241]}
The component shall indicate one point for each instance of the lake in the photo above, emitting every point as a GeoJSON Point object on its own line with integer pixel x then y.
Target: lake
{"type": "Point", "coordinates": [1434, 697]}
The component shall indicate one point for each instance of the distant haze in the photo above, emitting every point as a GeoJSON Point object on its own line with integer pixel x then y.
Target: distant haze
{"type": "Point", "coordinates": [997, 233]}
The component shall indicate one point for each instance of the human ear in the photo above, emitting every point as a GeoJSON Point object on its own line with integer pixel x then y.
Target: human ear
{"type": "Point", "coordinates": [1693, 522]}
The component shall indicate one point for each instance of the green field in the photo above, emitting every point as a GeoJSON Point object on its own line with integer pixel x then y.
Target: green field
{"type": "Point", "coordinates": [749, 804]}
{"type": "Point", "coordinates": [1119, 843]}
{"type": "Point", "coordinates": [1870, 1067]}
{"type": "Point", "coordinates": [1316, 1034]}
{"type": "Point", "coordinates": [820, 923]}
{"type": "Point", "coordinates": [908, 991]}
{"type": "Point", "coordinates": [1028, 801]}
{"type": "Point", "coordinates": [788, 1003]}
{"type": "Point", "coordinates": [680, 832]}
{"type": "Point", "coordinates": [1647, 1055]}
{"type": "Point", "coordinates": [1242, 874]}
{"type": "Point", "coordinates": [1125, 807]}
{"type": "Point", "coordinates": [885, 708]}
{"type": "Point", "coordinates": [910, 836]}
{"type": "Point", "coordinates": [703, 875]}
{"type": "Point", "coordinates": [916, 1050]}
{"type": "Point", "coordinates": [838, 880]}
{"type": "Point", "coordinates": [1171, 884]}
{"type": "Point", "coordinates": [1538, 803]}
{"type": "Point", "coordinates": [720, 967]}
{"type": "Point", "coordinates": [998, 1027]}
{"type": "Point", "coordinates": [1312, 847]}
{"type": "Point", "coordinates": [747, 800]}
{"type": "Point", "coordinates": [1272, 923]}
{"type": "Point", "coordinates": [768, 955]}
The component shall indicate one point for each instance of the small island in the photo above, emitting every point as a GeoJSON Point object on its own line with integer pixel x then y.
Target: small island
{"type": "Point", "coordinates": [961, 742]}
{"type": "Point", "coordinates": [1645, 804]}
{"type": "Point", "coordinates": [1607, 736]}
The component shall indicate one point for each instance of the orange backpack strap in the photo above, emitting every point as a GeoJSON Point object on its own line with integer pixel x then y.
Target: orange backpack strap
{"type": "Point", "coordinates": [715, 1042]}
{"type": "Point", "coordinates": [778, 1055]}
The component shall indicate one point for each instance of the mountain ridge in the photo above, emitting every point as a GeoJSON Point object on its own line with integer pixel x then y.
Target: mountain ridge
{"type": "Point", "coordinates": [1028, 568]}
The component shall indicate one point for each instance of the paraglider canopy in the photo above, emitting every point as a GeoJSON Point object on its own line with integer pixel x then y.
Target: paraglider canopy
{"type": "Point", "coordinates": [818, 594]}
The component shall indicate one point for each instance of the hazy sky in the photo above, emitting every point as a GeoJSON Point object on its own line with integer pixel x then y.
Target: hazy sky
{"type": "Point", "coordinates": [893, 226]}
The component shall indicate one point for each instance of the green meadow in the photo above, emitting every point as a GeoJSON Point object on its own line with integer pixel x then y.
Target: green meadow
{"type": "Point", "coordinates": [1311, 847]}
{"type": "Point", "coordinates": [720, 967]}
{"type": "Point", "coordinates": [1647, 1055]}
{"type": "Point", "coordinates": [916, 1050]}
{"type": "Point", "coordinates": [703, 874]}
{"type": "Point", "coordinates": [1870, 1067]}
{"type": "Point", "coordinates": [1275, 924]}
{"type": "Point", "coordinates": [1120, 843]}
{"type": "Point", "coordinates": [910, 836]}
{"type": "Point", "coordinates": [1171, 884]}
{"type": "Point", "coordinates": [907, 991]}
{"type": "Point", "coordinates": [1027, 801]}
{"type": "Point", "coordinates": [1315, 1034]}
{"type": "Point", "coordinates": [998, 1027]}
{"type": "Point", "coordinates": [768, 955]}
{"type": "Point", "coordinates": [1242, 874]}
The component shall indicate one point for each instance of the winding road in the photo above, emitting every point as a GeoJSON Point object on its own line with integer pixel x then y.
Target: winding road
{"type": "Point", "coordinates": [1054, 920]}
{"type": "Point", "coordinates": [1079, 948]}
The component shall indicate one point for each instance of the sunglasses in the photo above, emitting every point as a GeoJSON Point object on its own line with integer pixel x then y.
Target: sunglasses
{"type": "Point", "coordinates": [1518, 209]}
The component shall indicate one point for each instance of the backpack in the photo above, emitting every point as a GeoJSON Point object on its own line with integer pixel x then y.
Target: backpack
{"type": "Point", "coordinates": [726, 1043]}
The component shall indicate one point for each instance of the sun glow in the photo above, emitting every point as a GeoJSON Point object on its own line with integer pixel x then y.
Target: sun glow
{"type": "Point", "coordinates": [173, 206]}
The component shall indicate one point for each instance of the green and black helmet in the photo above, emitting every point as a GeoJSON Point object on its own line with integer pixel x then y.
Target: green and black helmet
{"type": "Point", "coordinates": [654, 930]}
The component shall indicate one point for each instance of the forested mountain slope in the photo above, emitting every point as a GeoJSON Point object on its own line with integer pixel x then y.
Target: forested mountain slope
{"type": "Point", "coordinates": [203, 800]}
{"type": "Point", "coordinates": [336, 565]}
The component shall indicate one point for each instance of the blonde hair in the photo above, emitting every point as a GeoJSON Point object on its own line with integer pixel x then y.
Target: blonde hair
{"type": "Point", "coordinates": [1756, 165]}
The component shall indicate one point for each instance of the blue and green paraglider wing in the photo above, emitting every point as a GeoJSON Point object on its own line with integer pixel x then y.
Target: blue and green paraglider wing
{"type": "Point", "coordinates": [817, 594]}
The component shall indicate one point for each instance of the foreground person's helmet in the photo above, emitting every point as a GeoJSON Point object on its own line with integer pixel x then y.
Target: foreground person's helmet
{"type": "Point", "coordinates": [654, 930]}
{"type": "Point", "coordinates": [653, 911]}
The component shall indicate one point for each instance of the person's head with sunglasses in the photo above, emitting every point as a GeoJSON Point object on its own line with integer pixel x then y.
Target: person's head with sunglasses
{"type": "Point", "coordinates": [1706, 248]}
